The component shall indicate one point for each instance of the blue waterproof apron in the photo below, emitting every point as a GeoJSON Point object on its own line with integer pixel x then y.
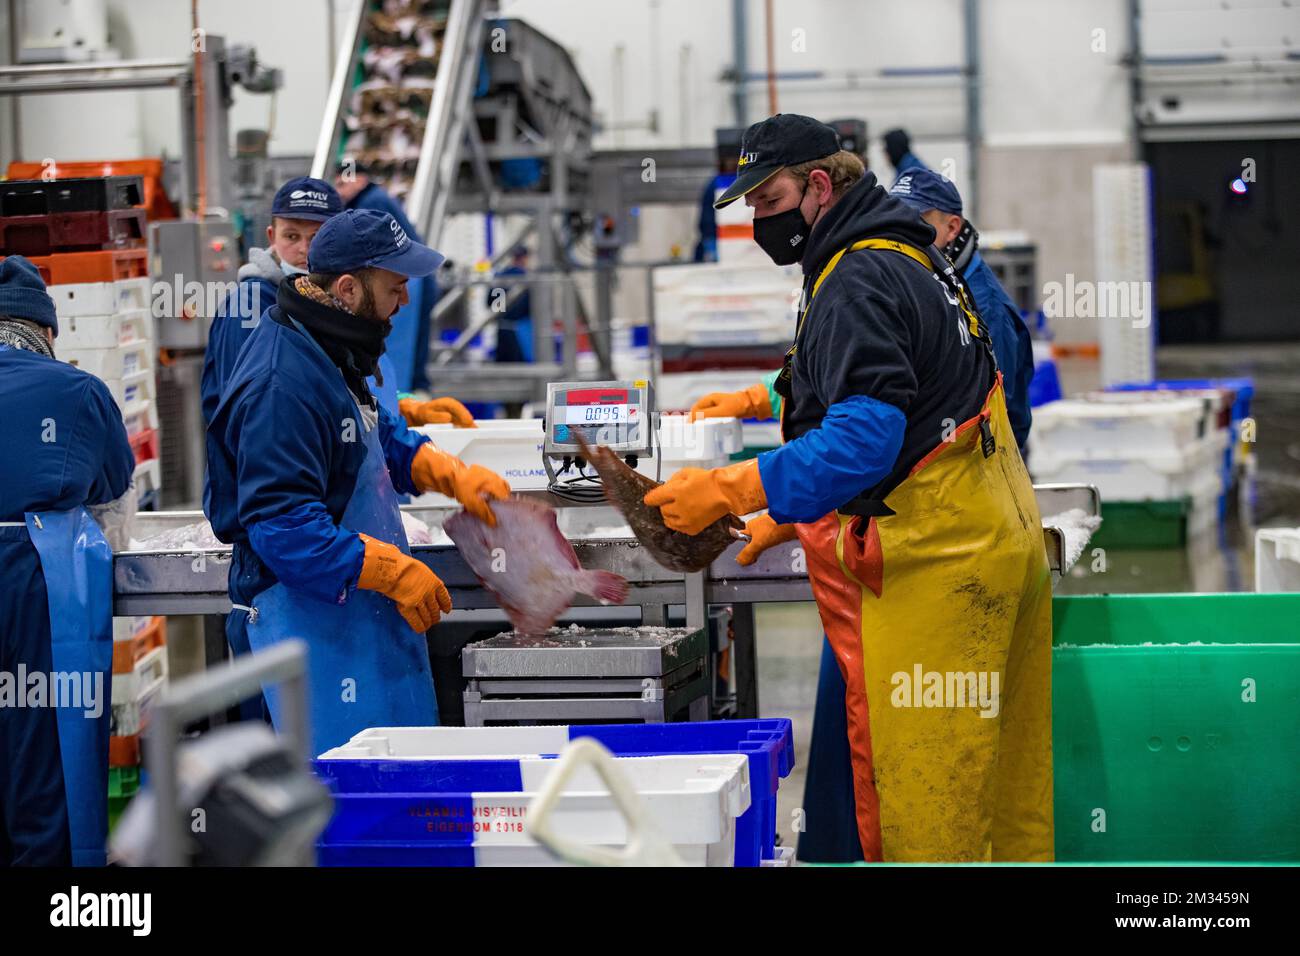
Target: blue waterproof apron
{"type": "Point", "coordinates": [365, 666]}
{"type": "Point", "coordinates": [77, 564]}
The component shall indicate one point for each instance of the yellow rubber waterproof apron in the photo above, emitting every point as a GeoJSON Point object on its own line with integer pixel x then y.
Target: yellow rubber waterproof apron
{"type": "Point", "coordinates": [365, 666]}
{"type": "Point", "coordinates": [940, 619]}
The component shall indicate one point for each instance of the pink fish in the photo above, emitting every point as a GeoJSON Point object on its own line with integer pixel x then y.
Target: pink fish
{"type": "Point", "coordinates": [528, 565]}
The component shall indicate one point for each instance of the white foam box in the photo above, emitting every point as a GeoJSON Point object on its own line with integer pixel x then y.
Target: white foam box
{"type": "Point", "coordinates": [692, 800]}
{"type": "Point", "coordinates": [512, 447]}
{"type": "Point", "coordinates": [81, 332]}
{"type": "Point", "coordinates": [1147, 422]}
{"type": "Point", "coordinates": [115, 362]}
{"type": "Point", "coordinates": [1135, 474]}
{"type": "Point", "coordinates": [678, 391]}
{"type": "Point", "coordinates": [719, 304]}
{"type": "Point", "coordinates": [100, 298]}
{"type": "Point", "coordinates": [1277, 559]}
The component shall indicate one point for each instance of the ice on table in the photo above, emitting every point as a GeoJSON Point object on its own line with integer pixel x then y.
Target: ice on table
{"type": "Point", "coordinates": [191, 537]}
{"type": "Point", "coordinates": [1076, 527]}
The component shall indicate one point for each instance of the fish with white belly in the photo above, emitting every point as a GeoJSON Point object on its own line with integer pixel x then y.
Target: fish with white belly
{"type": "Point", "coordinates": [528, 564]}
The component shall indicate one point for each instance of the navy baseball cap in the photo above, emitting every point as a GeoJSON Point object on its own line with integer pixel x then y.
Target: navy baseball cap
{"type": "Point", "coordinates": [925, 189]}
{"type": "Point", "coordinates": [365, 238]}
{"type": "Point", "coordinates": [307, 198]}
{"type": "Point", "coordinates": [786, 139]}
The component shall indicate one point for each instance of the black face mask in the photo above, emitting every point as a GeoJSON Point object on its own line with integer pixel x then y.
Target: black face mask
{"type": "Point", "coordinates": [784, 235]}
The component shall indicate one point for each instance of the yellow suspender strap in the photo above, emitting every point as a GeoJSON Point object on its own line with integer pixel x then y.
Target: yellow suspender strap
{"type": "Point", "coordinates": [912, 252]}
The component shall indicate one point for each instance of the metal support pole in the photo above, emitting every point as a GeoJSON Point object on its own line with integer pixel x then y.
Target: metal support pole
{"type": "Point", "coordinates": [745, 659]}
{"type": "Point", "coordinates": [740, 60]}
{"type": "Point", "coordinates": [974, 120]}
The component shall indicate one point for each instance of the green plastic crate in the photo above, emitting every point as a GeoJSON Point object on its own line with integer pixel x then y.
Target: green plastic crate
{"type": "Point", "coordinates": [1154, 739]}
{"type": "Point", "coordinates": [1143, 524]}
{"type": "Point", "coordinates": [123, 781]}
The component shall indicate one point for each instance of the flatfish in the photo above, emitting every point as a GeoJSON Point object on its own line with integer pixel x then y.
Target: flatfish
{"type": "Point", "coordinates": [528, 564]}
{"type": "Point", "coordinates": [625, 488]}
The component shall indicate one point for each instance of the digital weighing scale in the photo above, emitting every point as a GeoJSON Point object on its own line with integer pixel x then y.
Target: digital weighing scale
{"type": "Point", "coordinates": [619, 415]}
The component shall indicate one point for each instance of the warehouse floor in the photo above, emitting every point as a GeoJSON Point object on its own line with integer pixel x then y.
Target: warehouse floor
{"type": "Point", "coordinates": [790, 641]}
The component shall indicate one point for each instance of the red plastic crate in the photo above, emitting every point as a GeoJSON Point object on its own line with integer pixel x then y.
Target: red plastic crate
{"type": "Point", "coordinates": [129, 652]}
{"type": "Point", "coordinates": [71, 232]}
{"type": "Point", "coordinates": [124, 751]}
{"type": "Point", "coordinates": [145, 445]}
{"type": "Point", "coordinates": [105, 266]}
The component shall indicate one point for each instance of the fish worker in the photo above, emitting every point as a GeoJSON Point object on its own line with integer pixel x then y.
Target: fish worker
{"type": "Point", "coordinates": [305, 467]}
{"type": "Point", "coordinates": [900, 476]}
{"type": "Point", "coordinates": [65, 493]}
{"type": "Point", "coordinates": [939, 203]}
{"type": "Point", "coordinates": [298, 210]}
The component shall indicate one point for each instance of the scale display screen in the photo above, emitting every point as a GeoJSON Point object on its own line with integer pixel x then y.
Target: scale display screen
{"type": "Point", "coordinates": [614, 414]}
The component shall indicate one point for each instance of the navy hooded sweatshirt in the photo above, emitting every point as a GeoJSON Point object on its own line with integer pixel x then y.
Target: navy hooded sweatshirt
{"type": "Point", "coordinates": [884, 365]}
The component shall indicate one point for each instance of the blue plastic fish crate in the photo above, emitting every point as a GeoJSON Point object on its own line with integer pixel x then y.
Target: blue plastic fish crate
{"type": "Point", "coordinates": [411, 760]}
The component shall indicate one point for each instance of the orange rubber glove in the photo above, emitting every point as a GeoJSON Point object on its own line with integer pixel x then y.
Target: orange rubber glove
{"type": "Point", "coordinates": [763, 533]}
{"type": "Point", "coordinates": [694, 498]}
{"type": "Point", "coordinates": [434, 470]}
{"type": "Point", "coordinates": [419, 594]}
{"type": "Point", "coordinates": [436, 411]}
{"type": "Point", "coordinates": [753, 402]}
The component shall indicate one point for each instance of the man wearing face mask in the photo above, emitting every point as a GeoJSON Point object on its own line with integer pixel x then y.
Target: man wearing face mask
{"type": "Point", "coordinates": [305, 466]}
{"type": "Point", "coordinates": [900, 477]}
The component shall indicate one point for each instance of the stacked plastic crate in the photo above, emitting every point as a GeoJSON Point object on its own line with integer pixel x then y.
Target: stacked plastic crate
{"type": "Point", "coordinates": [139, 673]}
{"type": "Point", "coordinates": [1156, 458]}
{"type": "Point", "coordinates": [461, 796]}
{"type": "Point", "coordinates": [721, 327]}
{"type": "Point", "coordinates": [87, 237]}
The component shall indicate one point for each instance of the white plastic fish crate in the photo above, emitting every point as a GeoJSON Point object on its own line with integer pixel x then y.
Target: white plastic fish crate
{"type": "Point", "coordinates": [1135, 422]}
{"type": "Point", "coordinates": [133, 393]}
{"type": "Point", "coordinates": [149, 674]}
{"type": "Point", "coordinates": [124, 628]}
{"type": "Point", "coordinates": [1277, 559]}
{"type": "Point", "coordinates": [126, 718]}
{"type": "Point", "coordinates": [105, 331]}
{"type": "Point", "coordinates": [115, 363]}
{"type": "Point", "coordinates": [100, 298]}
{"type": "Point", "coordinates": [1135, 474]}
{"type": "Point", "coordinates": [142, 418]}
{"type": "Point", "coordinates": [148, 478]}
{"type": "Point", "coordinates": [693, 801]}
{"type": "Point", "coordinates": [678, 391]}
{"type": "Point", "coordinates": [512, 447]}
{"type": "Point", "coordinates": [718, 304]}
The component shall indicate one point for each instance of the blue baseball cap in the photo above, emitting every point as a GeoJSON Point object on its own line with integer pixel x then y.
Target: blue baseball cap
{"type": "Point", "coordinates": [925, 189]}
{"type": "Point", "coordinates": [307, 198]}
{"type": "Point", "coordinates": [363, 238]}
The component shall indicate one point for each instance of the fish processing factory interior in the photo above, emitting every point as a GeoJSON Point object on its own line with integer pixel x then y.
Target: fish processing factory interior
{"type": "Point", "coordinates": [779, 434]}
